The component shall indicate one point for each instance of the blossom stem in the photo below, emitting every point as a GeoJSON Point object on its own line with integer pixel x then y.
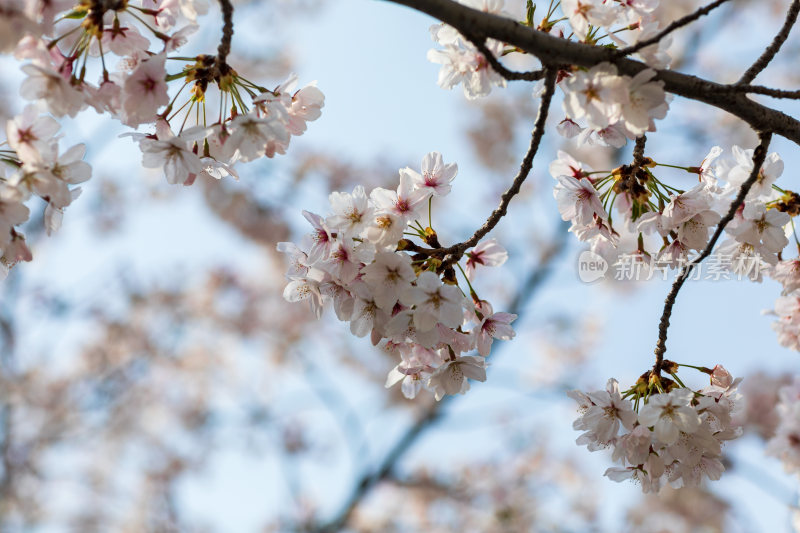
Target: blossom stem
{"type": "Point", "coordinates": [794, 233]}
{"type": "Point", "coordinates": [700, 368]}
{"type": "Point", "coordinates": [52, 43]}
{"type": "Point", "coordinates": [185, 118]}
{"type": "Point", "coordinates": [677, 379]}
{"type": "Point", "coordinates": [687, 169]}
{"type": "Point", "coordinates": [146, 25]}
{"type": "Point", "coordinates": [471, 290]}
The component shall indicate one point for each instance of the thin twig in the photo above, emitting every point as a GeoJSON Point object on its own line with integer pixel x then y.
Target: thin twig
{"type": "Point", "coordinates": [454, 253]}
{"type": "Point", "coordinates": [759, 155]}
{"type": "Point", "coordinates": [638, 153]}
{"type": "Point", "coordinates": [498, 67]}
{"type": "Point", "coordinates": [683, 21]}
{"type": "Point", "coordinates": [780, 38]}
{"type": "Point", "coordinates": [768, 91]}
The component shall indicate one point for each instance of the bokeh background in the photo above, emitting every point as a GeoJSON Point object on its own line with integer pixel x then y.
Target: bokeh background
{"type": "Point", "coordinates": [154, 379]}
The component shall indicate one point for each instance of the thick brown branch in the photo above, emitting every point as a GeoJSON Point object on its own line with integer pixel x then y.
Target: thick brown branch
{"type": "Point", "coordinates": [681, 22]}
{"type": "Point", "coordinates": [762, 62]}
{"type": "Point", "coordinates": [555, 50]}
{"type": "Point", "coordinates": [454, 253]}
{"type": "Point", "coordinates": [759, 154]}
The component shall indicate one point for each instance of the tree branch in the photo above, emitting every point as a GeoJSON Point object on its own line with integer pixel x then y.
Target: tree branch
{"type": "Point", "coordinates": [759, 155]}
{"type": "Point", "coordinates": [498, 67]}
{"type": "Point", "coordinates": [555, 50]}
{"type": "Point", "coordinates": [681, 22]}
{"type": "Point", "coordinates": [768, 91]}
{"type": "Point", "coordinates": [762, 62]}
{"type": "Point", "coordinates": [224, 47]}
{"type": "Point", "coordinates": [454, 253]}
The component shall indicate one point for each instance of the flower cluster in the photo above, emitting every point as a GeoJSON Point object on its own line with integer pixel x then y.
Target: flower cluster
{"type": "Point", "coordinates": [785, 443]}
{"type": "Point", "coordinates": [659, 430]}
{"type": "Point", "coordinates": [262, 129]}
{"type": "Point", "coordinates": [624, 22]}
{"type": "Point", "coordinates": [31, 164]}
{"type": "Point", "coordinates": [661, 224]}
{"type": "Point", "coordinates": [61, 43]}
{"type": "Point", "coordinates": [461, 61]}
{"type": "Point", "coordinates": [403, 294]}
{"type": "Point", "coordinates": [613, 107]}
{"type": "Point", "coordinates": [252, 121]}
{"type": "Point", "coordinates": [787, 306]}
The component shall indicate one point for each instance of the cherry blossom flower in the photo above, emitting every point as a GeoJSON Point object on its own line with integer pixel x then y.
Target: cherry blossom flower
{"type": "Point", "coordinates": [345, 260]}
{"type": "Point", "coordinates": [351, 212]}
{"type": "Point", "coordinates": [451, 377]}
{"type": "Point", "coordinates": [406, 203]}
{"type": "Point", "coordinates": [585, 13]}
{"type": "Point", "coordinates": [436, 175]}
{"type": "Point", "coordinates": [595, 95]}
{"type": "Point", "coordinates": [249, 136]}
{"type": "Point", "coordinates": [694, 233]}
{"type": "Point", "coordinates": [173, 153]}
{"type": "Point", "coordinates": [29, 133]}
{"type": "Point", "coordinates": [411, 379]}
{"type": "Point", "coordinates": [488, 253]}
{"type": "Point", "coordinates": [463, 63]}
{"type": "Point", "coordinates": [578, 201]}
{"type": "Point", "coordinates": [785, 444]}
{"type": "Point", "coordinates": [321, 238]}
{"type": "Point", "coordinates": [50, 174]}
{"type": "Point", "coordinates": [566, 165]}
{"type": "Point", "coordinates": [568, 128]}
{"type": "Point", "coordinates": [493, 326]}
{"type": "Point", "coordinates": [788, 274]}
{"type": "Point", "coordinates": [769, 172]}
{"type": "Point", "coordinates": [670, 414]}
{"type": "Point", "coordinates": [684, 206]}
{"type": "Point", "coordinates": [298, 259]}
{"type": "Point", "coordinates": [385, 231]}
{"type": "Point", "coordinates": [388, 276]}
{"type": "Point", "coordinates": [305, 288]}
{"type": "Point", "coordinates": [760, 227]}
{"type": "Point", "coordinates": [607, 413]}
{"type": "Point", "coordinates": [612, 135]}
{"type": "Point", "coordinates": [721, 377]}
{"type": "Point", "coordinates": [306, 106]}
{"type": "Point", "coordinates": [145, 91]}
{"type": "Point", "coordinates": [56, 91]}
{"type": "Point", "coordinates": [646, 101]}
{"type": "Point", "coordinates": [434, 302]}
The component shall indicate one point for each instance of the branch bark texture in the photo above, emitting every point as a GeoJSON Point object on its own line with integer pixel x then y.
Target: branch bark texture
{"type": "Point", "coordinates": [555, 50]}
